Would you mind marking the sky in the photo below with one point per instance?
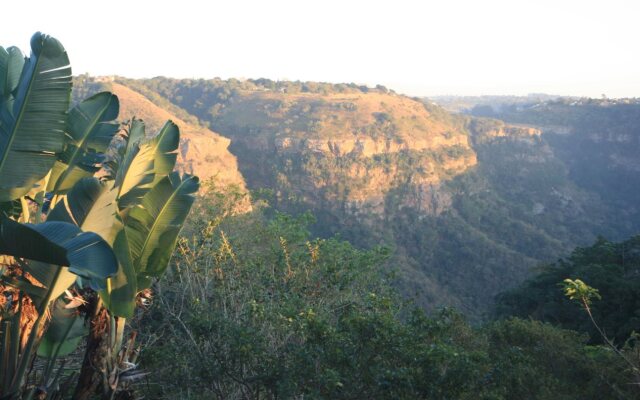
(420, 48)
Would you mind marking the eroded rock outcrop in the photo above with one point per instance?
(360, 154)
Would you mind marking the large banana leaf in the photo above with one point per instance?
(145, 245)
(165, 144)
(32, 117)
(91, 206)
(135, 175)
(11, 64)
(120, 295)
(146, 162)
(85, 253)
(56, 278)
(135, 133)
(152, 228)
(90, 129)
(64, 332)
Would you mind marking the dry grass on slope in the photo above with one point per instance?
(202, 151)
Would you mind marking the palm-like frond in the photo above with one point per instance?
(165, 144)
(91, 205)
(134, 176)
(32, 115)
(11, 64)
(146, 161)
(152, 227)
(60, 244)
(149, 237)
(90, 129)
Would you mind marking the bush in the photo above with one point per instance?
(254, 308)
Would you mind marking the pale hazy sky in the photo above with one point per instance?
(416, 47)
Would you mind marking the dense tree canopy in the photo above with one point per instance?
(612, 268)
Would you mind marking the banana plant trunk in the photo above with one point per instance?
(95, 356)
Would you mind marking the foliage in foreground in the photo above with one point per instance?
(89, 216)
(254, 309)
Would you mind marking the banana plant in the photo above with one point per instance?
(34, 101)
(149, 204)
(103, 223)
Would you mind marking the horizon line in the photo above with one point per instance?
(372, 86)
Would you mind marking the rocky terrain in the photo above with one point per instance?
(468, 205)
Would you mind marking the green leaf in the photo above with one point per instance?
(91, 205)
(32, 127)
(145, 245)
(136, 133)
(166, 145)
(120, 295)
(60, 243)
(11, 64)
(146, 162)
(46, 274)
(64, 333)
(90, 129)
(152, 227)
(11, 209)
(135, 175)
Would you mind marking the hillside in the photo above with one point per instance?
(468, 205)
(598, 140)
(202, 152)
(349, 155)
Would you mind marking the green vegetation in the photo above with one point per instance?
(584, 294)
(610, 267)
(90, 216)
(292, 109)
(487, 105)
(198, 94)
(254, 308)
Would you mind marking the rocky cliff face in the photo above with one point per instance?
(362, 146)
(487, 129)
(358, 155)
(598, 141)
